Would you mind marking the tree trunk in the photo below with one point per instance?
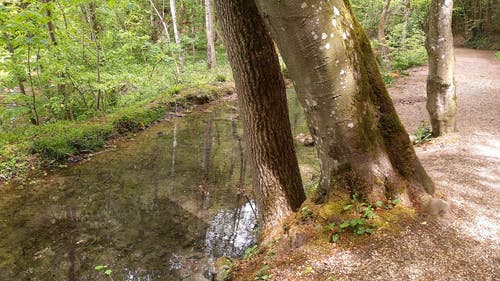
(11, 50)
(406, 19)
(384, 52)
(441, 96)
(262, 98)
(90, 14)
(177, 36)
(209, 19)
(362, 146)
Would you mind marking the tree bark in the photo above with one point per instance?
(381, 35)
(362, 146)
(209, 22)
(262, 98)
(441, 96)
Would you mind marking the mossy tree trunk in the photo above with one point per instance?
(441, 96)
(262, 98)
(361, 143)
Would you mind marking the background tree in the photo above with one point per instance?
(211, 58)
(362, 146)
(263, 104)
(441, 96)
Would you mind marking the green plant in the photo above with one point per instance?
(228, 265)
(250, 252)
(263, 274)
(360, 214)
(422, 135)
(105, 270)
(497, 55)
(306, 213)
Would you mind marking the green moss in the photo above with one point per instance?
(59, 140)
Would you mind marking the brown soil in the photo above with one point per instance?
(462, 245)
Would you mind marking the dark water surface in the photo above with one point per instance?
(163, 206)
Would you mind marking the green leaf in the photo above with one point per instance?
(108, 272)
(361, 230)
(335, 237)
(345, 224)
(396, 201)
(331, 226)
(379, 203)
(100, 267)
(347, 207)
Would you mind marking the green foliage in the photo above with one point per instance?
(423, 134)
(359, 218)
(228, 265)
(250, 252)
(405, 37)
(497, 55)
(263, 274)
(105, 270)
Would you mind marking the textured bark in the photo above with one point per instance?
(361, 143)
(441, 96)
(209, 22)
(262, 98)
(381, 34)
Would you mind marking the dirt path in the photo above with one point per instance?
(463, 245)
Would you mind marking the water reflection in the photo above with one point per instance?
(161, 207)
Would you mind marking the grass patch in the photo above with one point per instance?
(57, 141)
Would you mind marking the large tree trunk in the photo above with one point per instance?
(209, 22)
(262, 98)
(441, 96)
(362, 146)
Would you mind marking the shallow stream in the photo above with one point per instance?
(162, 206)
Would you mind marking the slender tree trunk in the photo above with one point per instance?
(11, 50)
(406, 18)
(36, 120)
(162, 19)
(441, 96)
(61, 88)
(384, 52)
(209, 23)
(177, 36)
(153, 21)
(362, 146)
(262, 97)
(91, 19)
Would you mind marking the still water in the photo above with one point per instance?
(163, 206)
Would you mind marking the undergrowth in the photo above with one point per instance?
(59, 140)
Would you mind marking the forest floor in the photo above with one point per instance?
(462, 245)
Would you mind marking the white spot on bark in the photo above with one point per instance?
(327, 46)
(315, 36)
(350, 125)
(344, 36)
(331, 35)
(324, 36)
(334, 22)
(342, 72)
(304, 5)
(336, 11)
